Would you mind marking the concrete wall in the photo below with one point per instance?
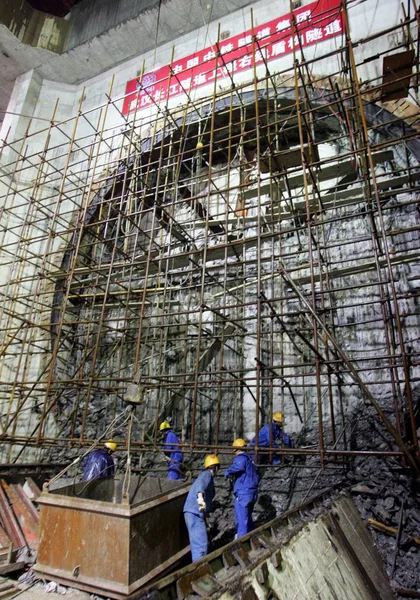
(32, 27)
(365, 20)
(88, 20)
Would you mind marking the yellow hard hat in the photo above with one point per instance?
(278, 417)
(164, 425)
(239, 443)
(111, 445)
(211, 460)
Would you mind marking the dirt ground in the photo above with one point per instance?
(39, 593)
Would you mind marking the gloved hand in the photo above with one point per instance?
(276, 461)
(201, 503)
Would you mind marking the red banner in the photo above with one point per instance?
(314, 23)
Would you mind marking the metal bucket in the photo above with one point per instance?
(93, 539)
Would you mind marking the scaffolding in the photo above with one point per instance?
(255, 249)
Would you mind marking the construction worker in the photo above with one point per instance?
(245, 487)
(99, 463)
(272, 436)
(197, 506)
(172, 451)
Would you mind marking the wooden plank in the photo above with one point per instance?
(24, 515)
(5, 541)
(184, 583)
(12, 567)
(281, 161)
(396, 73)
(6, 548)
(26, 502)
(336, 169)
(7, 589)
(349, 196)
(10, 522)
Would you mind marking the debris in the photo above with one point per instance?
(31, 489)
(407, 593)
(7, 589)
(398, 539)
(28, 578)
(391, 530)
(56, 588)
(379, 511)
(25, 513)
(389, 503)
(363, 489)
(6, 548)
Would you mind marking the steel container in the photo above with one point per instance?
(94, 539)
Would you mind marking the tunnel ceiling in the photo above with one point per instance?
(58, 8)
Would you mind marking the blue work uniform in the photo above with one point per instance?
(245, 491)
(98, 465)
(194, 519)
(174, 454)
(278, 437)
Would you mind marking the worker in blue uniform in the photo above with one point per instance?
(99, 463)
(245, 487)
(172, 451)
(198, 505)
(272, 436)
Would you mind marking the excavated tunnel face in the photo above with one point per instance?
(146, 193)
(216, 263)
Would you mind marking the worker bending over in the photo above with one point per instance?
(272, 432)
(99, 463)
(172, 451)
(198, 505)
(245, 487)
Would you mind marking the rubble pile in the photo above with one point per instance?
(384, 490)
(386, 493)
